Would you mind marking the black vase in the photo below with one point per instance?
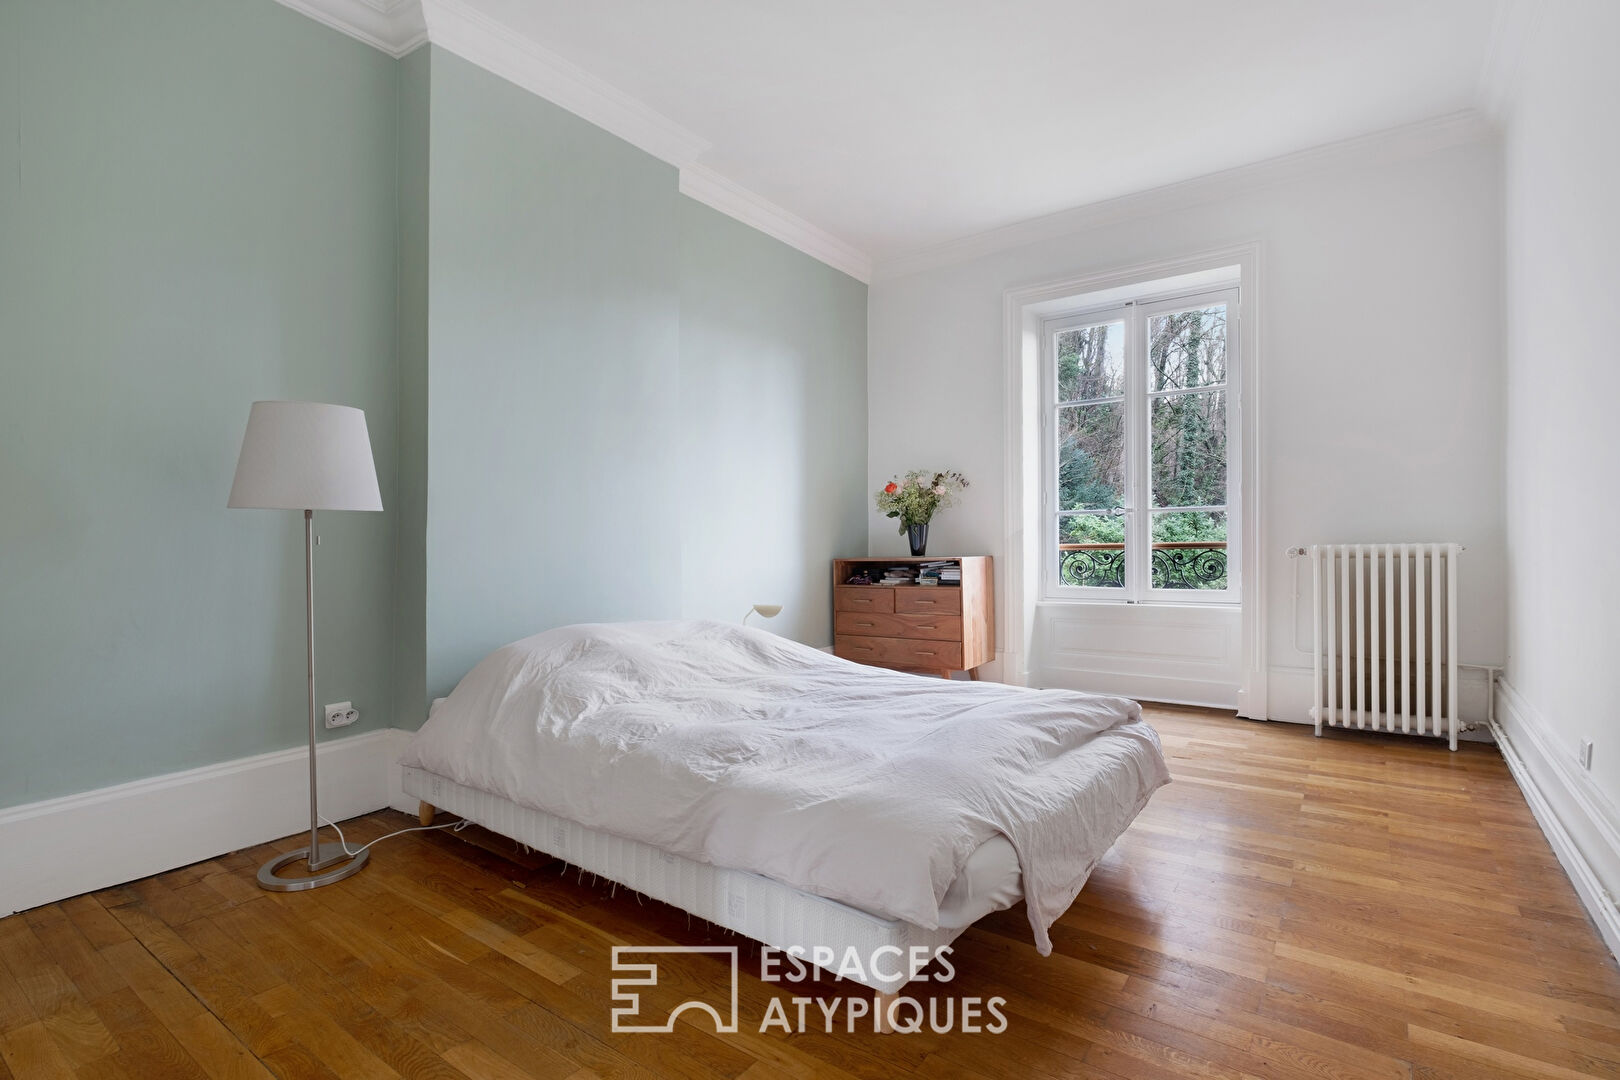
(918, 535)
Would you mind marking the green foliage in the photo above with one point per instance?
(1187, 353)
(1088, 363)
(1167, 528)
(1188, 528)
(1186, 350)
(915, 499)
(1092, 529)
(1090, 437)
(1080, 486)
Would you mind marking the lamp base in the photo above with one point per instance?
(326, 856)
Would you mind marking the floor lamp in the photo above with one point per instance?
(302, 455)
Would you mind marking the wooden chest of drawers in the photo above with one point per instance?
(933, 628)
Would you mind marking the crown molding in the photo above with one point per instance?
(710, 188)
(503, 51)
(1392, 144)
(398, 26)
(393, 26)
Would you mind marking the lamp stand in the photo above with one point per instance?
(320, 856)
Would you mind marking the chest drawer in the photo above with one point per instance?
(926, 627)
(900, 652)
(942, 600)
(930, 628)
(868, 598)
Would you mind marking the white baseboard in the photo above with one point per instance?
(62, 847)
(1168, 689)
(78, 843)
(1582, 825)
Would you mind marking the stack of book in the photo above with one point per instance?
(943, 572)
(899, 575)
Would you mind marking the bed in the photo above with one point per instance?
(804, 801)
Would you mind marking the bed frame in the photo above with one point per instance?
(756, 907)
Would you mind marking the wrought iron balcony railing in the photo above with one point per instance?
(1185, 564)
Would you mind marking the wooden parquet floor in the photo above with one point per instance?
(1351, 907)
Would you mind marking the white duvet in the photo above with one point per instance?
(742, 749)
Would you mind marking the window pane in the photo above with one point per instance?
(1091, 456)
(1189, 551)
(1189, 449)
(1091, 551)
(1187, 348)
(1089, 364)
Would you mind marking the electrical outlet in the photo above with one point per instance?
(1586, 754)
(341, 715)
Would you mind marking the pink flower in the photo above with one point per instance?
(939, 489)
(890, 488)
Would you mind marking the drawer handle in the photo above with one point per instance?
(863, 648)
(930, 603)
(863, 624)
(928, 628)
(926, 652)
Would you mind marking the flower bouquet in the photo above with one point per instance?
(915, 499)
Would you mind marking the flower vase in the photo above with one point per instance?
(918, 535)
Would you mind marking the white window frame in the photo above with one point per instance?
(1138, 509)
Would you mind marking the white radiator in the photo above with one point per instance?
(1386, 637)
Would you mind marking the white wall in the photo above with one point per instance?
(1561, 182)
(1380, 373)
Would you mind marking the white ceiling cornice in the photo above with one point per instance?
(1392, 144)
(709, 187)
(394, 26)
(497, 48)
(398, 26)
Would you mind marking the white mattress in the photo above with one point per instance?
(738, 748)
(757, 907)
(989, 881)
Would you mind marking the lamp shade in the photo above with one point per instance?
(303, 455)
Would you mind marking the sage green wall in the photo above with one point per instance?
(552, 359)
(589, 397)
(773, 425)
(196, 210)
(410, 504)
(639, 408)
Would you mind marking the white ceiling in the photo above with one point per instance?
(896, 125)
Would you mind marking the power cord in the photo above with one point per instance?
(454, 826)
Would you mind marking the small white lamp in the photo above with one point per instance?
(302, 455)
(765, 611)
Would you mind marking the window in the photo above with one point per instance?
(1140, 460)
